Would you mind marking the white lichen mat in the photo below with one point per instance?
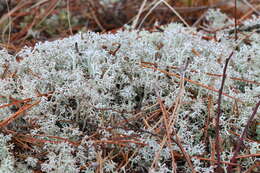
(86, 84)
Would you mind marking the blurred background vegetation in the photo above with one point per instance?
(25, 22)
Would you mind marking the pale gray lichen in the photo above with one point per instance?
(95, 78)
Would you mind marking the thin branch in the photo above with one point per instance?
(240, 140)
(219, 111)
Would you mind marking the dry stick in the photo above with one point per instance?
(220, 94)
(219, 111)
(240, 140)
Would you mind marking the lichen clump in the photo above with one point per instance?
(86, 84)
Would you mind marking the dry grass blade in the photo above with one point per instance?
(51, 7)
(139, 14)
(251, 6)
(149, 12)
(175, 12)
(19, 6)
(68, 16)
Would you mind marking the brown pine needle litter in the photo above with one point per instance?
(142, 86)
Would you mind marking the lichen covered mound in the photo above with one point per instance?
(87, 83)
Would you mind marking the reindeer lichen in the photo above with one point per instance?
(90, 82)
